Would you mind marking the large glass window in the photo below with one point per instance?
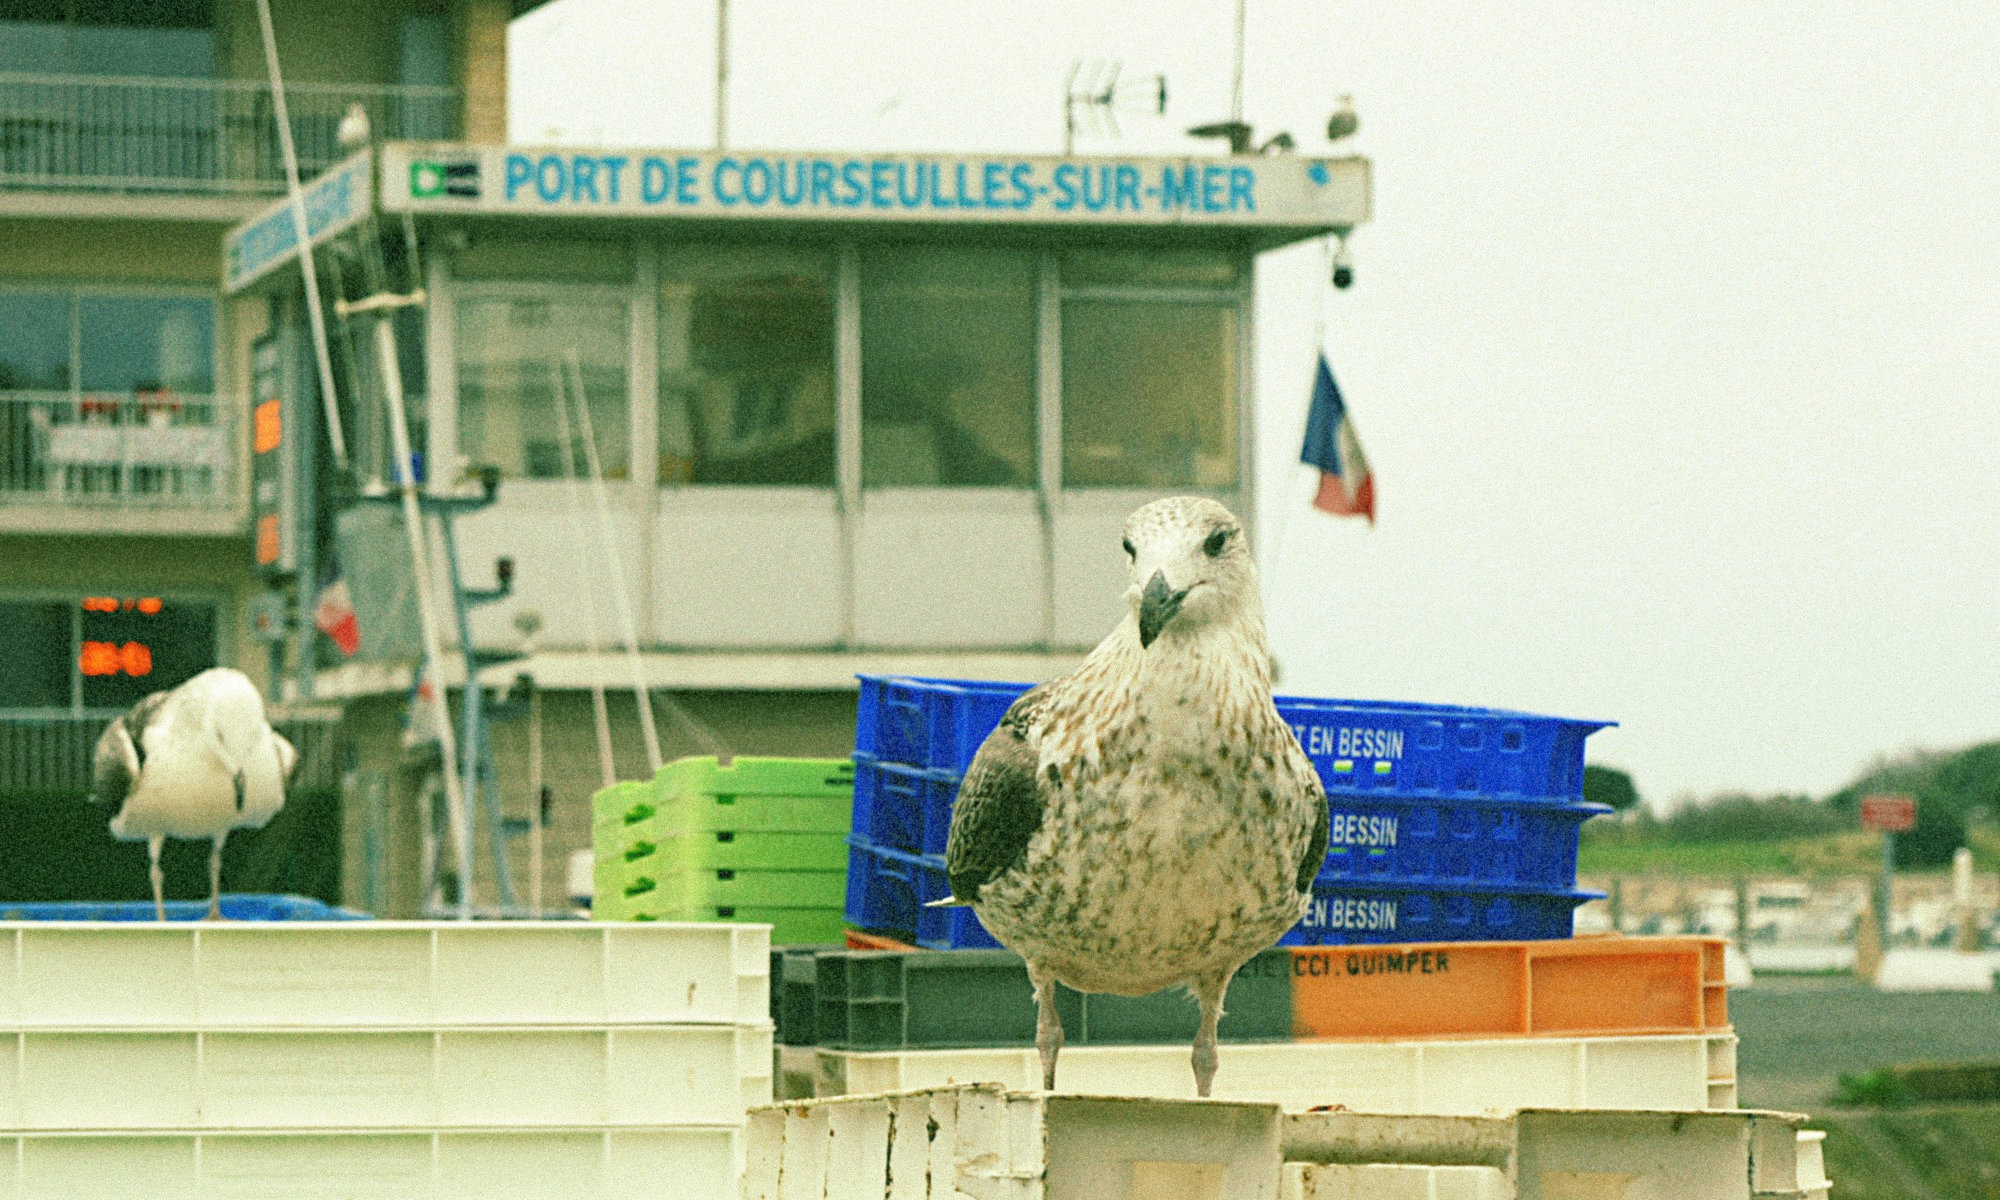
(158, 38)
(34, 341)
(947, 368)
(144, 344)
(746, 366)
(1149, 393)
(515, 348)
(37, 663)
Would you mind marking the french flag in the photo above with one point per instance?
(1346, 489)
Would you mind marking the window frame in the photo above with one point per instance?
(72, 598)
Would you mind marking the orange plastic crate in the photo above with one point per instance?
(1589, 985)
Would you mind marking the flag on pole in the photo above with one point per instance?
(1346, 489)
(334, 616)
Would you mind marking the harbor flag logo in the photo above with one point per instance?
(433, 177)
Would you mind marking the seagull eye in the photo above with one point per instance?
(1216, 541)
(1130, 552)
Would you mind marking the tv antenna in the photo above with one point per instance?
(1092, 98)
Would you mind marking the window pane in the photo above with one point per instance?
(746, 366)
(1132, 267)
(143, 648)
(145, 343)
(34, 342)
(509, 350)
(1149, 394)
(947, 368)
(35, 655)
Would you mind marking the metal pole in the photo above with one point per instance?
(620, 594)
(300, 228)
(1887, 886)
(721, 73)
(427, 613)
(482, 788)
(1236, 82)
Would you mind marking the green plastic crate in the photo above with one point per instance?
(683, 889)
(823, 778)
(726, 849)
(789, 925)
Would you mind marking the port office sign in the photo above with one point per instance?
(1278, 190)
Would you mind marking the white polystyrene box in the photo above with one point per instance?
(1392, 1181)
(1440, 1077)
(669, 1075)
(379, 1164)
(381, 973)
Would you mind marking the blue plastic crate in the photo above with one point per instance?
(1348, 912)
(1406, 749)
(903, 807)
(888, 888)
(920, 722)
(1463, 840)
(246, 906)
(1396, 748)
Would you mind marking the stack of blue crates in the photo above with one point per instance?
(1447, 823)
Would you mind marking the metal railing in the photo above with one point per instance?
(150, 450)
(47, 753)
(204, 135)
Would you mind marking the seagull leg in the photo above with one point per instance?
(1208, 990)
(215, 877)
(154, 845)
(1048, 1025)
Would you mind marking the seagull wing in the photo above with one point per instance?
(999, 805)
(119, 758)
(1315, 856)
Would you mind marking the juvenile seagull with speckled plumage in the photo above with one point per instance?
(1147, 820)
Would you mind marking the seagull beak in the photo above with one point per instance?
(1157, 605)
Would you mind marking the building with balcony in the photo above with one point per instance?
(133, 135)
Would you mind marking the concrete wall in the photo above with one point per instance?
(104, 251)
(789, 724)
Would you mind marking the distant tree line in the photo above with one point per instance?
(1954, 789)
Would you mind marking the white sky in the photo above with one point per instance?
(1675, 342)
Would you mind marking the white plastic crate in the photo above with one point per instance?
(547, 1164)
(1686, 1071)
(380, 974)
(342, 1079)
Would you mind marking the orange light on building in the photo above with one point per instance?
(98, 658)
(270, 426)
(110, 658)
(267, 539)
(150, 605)
(136, 658)
(100, 604)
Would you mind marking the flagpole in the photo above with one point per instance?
(1298, 468)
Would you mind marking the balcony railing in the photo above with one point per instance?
(200, 135)
(150, 450)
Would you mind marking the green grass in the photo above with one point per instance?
(1835, 854)
(1913, 1154)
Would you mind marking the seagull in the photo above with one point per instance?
(1343, 122)
(1148, 820)
(193, 762)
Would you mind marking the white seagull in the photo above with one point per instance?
(1148, 820)
(194, 762)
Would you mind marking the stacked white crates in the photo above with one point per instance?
(373, 1058)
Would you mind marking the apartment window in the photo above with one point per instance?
(746, 389)
(103, 651)
(157, 39)
(114, 345)
(947, 367)
(516, 347)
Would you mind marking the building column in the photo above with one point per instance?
(483, 69)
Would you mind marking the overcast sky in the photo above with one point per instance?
(1675, 342)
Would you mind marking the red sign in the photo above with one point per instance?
(1889, 813)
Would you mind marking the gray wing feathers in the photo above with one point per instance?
(1315, 856)
(115, 765)
(999, 805)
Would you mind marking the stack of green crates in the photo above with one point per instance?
(753, 839)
